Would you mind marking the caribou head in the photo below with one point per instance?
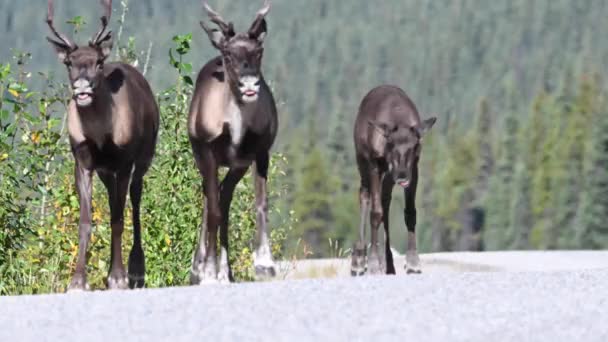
(84, 64)
(241, 52)
(400, 145)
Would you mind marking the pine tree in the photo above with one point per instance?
(498, 234)
(592, 216)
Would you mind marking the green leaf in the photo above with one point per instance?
(186, 67)
(188, 80)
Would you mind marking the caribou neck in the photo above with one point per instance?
(94, 122)
(102, 103)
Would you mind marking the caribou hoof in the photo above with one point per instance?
(358, 265)
(409, 270)
(358, 272)
(223, 276)
(374, 266)
(78, 284)
(205, 274)
(118, 282)
(412, 264)
(264, 265)
(136, 282)
(358, 268)
(265, 272)
(137, 269)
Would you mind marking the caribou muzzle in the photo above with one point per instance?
(249, 86)
(83, 92)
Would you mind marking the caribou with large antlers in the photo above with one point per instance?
(232, 123)
(113, 124)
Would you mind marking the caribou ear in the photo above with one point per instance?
(380, 128)
(426, 125)
(215, 36)
(258, 32)
(61, 49)
(378, 137)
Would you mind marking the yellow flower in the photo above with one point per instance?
(97, 215)
(4, 156)
(14, 92)
(35, 137)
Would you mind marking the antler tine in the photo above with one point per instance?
(107, 5)
(264, 10)
(49, 21)
(217, 19)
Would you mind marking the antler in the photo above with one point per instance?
(49, 20)
(227, 28)
(100, 37)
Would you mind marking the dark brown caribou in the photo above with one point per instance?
(388, 133)
(232, 123)
(113, 124)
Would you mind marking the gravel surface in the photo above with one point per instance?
(480, 306)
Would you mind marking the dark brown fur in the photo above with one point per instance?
(232, 123)
(113, 124)
(387, 135)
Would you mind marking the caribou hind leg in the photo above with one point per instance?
(226, 191)
(387, 189)
(137, 262)
(117, 186)
(84, 189)
(263, 262)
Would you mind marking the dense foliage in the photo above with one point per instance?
(518, 159)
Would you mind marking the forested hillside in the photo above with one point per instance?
(517, 160)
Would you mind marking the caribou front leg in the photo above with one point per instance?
(264, 265)
(204, 263)
(412, 259)
(137, 261)
(373, 264)
(117, 186)
(358, 263)
(84, 189)
(387, 190)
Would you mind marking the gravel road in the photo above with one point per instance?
(518, 306)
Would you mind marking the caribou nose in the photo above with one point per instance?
(403, 182)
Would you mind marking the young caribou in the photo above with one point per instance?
(388, 134)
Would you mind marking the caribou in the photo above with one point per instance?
(232, 123)
(113, 123)
(387, 134)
